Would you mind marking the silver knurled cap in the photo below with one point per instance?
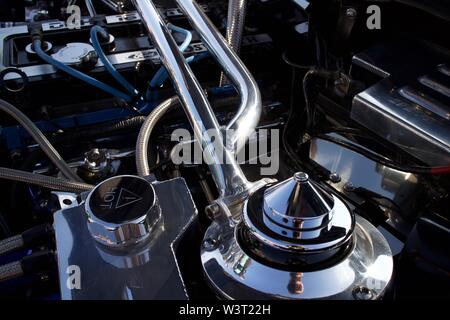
(122, 211)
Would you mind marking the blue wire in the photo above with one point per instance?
(161, 75)
(148, 106)
(95, 30)
(188, 36)
(77, 74)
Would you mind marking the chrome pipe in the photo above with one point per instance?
(90, 7)
(225, 171)
(247, 117)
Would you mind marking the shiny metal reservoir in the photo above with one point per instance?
(145, 270)
(324, 252)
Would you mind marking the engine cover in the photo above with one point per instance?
(409, 106)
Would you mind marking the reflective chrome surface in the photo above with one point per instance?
(76, 54)
(296, 215)
(226, 172)
(297, 202)
(410, 106)
(330, 230)
(247, 117)
(147, 271)
(394, 189)
(134, 227)
(296, 241)
(98, 161)
(235, 275)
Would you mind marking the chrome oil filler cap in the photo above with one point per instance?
(77, 54)
(122, 211)
(296, 240)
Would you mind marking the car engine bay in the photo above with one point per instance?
(224, 149)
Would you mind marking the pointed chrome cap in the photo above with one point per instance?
(297, 215)
(298, 203)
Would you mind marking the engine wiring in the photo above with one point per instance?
(95, 31)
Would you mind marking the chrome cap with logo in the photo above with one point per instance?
(296, 240)
(122, 211)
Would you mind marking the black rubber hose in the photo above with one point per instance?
(39, 137)
(44, 181)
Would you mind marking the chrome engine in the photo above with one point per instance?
(300, 150)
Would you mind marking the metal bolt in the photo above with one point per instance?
(351, 12)
(349, 187)
(363, 293)
(209, 244)
(16, 155)
(43, 203)
(301, 177)
(212, 211)
(335, 177)
(44, 277)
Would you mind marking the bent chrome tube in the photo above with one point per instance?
(247, 117)
(225, 171)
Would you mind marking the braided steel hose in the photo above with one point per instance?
(152, 119)
(44, 181)
(237, 10)
(40, 138)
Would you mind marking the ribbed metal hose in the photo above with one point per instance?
(237, 10)
(39, 137)
(99, 130)
(152, 119)
(44, 181)
(11, 244)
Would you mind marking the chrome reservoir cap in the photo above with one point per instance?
(296, 216)
(298, 203)
(296, 240)
(122, 211)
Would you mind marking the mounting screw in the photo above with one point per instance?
(351, 12)
(363, 293)
(209, 244)
(44, 277)
(335, 177)
(212, 211)
(349, 187)
(43, 203)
